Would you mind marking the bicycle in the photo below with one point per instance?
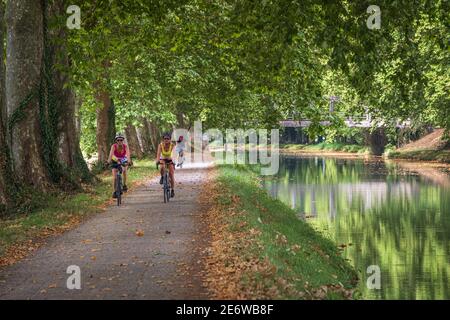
(166, 183)
(180, 156)
(118, 185)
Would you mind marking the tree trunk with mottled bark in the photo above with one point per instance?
(25, 47)
(4, 170)
(4, 151)
(154, 134)
(63, 94)
(3, 113)
(181, 120)
(106, 128)
(69, 151)
(144, 138)
(133, 142)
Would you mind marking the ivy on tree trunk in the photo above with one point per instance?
(24, 65)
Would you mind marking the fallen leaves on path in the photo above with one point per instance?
(22, 249)
(230, 274)
(36, 238)
(139, 233)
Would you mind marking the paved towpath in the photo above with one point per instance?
(162, 262)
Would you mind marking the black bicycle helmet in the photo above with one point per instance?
(167, 135)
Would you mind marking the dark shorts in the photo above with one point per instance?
(116, 165)
(167, 161)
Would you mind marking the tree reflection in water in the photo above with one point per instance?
(393, 218)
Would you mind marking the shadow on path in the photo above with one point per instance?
(116, 262)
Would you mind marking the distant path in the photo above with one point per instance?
(115, 262)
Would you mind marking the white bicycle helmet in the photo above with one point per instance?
(119, 135)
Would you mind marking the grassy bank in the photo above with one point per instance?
(261, 250)
(421, 155)
(23, 233)
(326, 147)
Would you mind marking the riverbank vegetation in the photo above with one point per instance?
(325, 147)
(418, 144)
(433, 146)
(421, 155)
(262, 250)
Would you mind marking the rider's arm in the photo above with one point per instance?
(111, 152)
(158, 153)
(128, 154)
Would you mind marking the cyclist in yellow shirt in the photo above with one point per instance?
(163, 156)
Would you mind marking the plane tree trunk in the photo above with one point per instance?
(106, 128)
(133, 142)
(24, 65)
(145, 138)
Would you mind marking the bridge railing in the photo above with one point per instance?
(365, 121)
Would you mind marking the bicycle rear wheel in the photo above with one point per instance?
(165, 188)
(119, 189)
(164, 194)
(168, 193)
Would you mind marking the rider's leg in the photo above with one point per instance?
(179, 157)
(114, 173)
(161, 170)
(172, 179)
(124, 173)
(172, 176)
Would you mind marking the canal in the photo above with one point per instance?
(379, 214)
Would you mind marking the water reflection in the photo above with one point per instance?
(392, 217)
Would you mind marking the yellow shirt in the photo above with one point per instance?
(165, 154)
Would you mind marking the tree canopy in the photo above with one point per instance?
(246, 63)
(148, 66)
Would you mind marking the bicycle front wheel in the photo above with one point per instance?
(166, 199)
(164, 188)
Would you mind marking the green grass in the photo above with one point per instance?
(326, 146)
(316, 264)
(58, 209)
(421, 155)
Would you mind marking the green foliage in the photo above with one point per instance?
(88, 118)
(400, 70)
(249, 64)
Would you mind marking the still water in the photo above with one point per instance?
(390, 216)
